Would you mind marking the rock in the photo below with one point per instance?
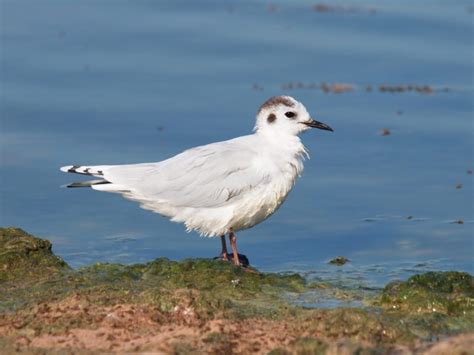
(339, 260)
(214, 286)
(244, 261)
(450, 293)
(210, 306)
(23, 256)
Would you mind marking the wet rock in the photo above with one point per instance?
(244, 261)
(210, 306)
(449, 293)
(339, 260)
(23, 256)
(209, 286)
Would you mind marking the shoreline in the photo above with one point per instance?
(210, 306)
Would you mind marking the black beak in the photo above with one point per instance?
(316, 124)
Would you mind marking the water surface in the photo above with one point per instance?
(102, 82)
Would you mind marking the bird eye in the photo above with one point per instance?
(290, 114)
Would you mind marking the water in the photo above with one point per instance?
(96, 82)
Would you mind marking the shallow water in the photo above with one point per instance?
(125, 82)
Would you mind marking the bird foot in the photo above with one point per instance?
(243, 260)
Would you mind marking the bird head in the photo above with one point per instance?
(285, 115)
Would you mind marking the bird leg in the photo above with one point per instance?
(233, 244)
(224, 248)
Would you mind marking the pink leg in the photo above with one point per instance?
(224, 248)
(233, 244)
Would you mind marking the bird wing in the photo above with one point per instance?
(201, 177)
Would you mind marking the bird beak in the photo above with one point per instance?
(316, 124)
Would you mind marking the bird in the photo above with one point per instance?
(220, 188)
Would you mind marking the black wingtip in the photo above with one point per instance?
(86, 183)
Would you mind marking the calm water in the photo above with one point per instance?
(109, 82)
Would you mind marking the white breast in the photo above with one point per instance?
(283, 164)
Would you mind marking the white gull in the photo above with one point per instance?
(221, 187)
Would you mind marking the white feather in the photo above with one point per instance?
(232, 184)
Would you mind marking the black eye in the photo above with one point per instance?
(290, 114)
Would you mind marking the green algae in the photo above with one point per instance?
(209, 286)
(33, 278)
(23, 256)
(434, 303)
(339, 261)
(450, 293)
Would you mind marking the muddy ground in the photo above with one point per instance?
(209, 306)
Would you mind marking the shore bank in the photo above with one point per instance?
(210, 306)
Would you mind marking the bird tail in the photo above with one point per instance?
(96, 171)
(89, 183)
(84, 170)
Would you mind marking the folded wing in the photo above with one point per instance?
(203, 177)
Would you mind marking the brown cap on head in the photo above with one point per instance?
(276, 100)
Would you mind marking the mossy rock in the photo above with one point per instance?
(23, 256)
(32, 277)
(339, 261)
(211, 287)
(450, 293)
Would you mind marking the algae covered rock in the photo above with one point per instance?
(450, 293)
(339, 261)
(23, 256)
(219, 307)
(206, 286)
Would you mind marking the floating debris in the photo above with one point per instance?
(385, 132)
(399, 112)
(322, 8)
(424, 89)
(469, 171)
(458, 221)
(458, 186)
(348, 87)
(339, 260)
(418, 219)
(336, 88)
(370, 219)
(272, 8)
(257, 87)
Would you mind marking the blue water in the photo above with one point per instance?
(110, 82)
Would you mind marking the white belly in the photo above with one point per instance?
(259, 205)
(245, 212)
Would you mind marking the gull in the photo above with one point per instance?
(219, 188)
